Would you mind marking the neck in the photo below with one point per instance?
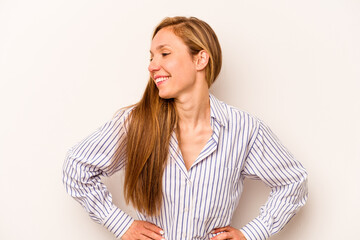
(193, 109)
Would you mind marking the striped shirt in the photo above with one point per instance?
(197, 200)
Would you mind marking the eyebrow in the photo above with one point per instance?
(161, 46)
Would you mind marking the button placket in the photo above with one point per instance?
(189, 194)
(190, 210)
(189, 191)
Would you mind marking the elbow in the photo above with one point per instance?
(66, 170)
(303, 188)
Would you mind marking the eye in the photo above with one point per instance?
(165, 54)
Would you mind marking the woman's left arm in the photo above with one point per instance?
(271, 162)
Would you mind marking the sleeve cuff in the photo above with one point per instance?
(118, 222)
(255, 230)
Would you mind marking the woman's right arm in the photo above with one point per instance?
(90, 159)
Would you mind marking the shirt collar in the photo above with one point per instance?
(218, 111)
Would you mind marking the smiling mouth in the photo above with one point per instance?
(161, 79)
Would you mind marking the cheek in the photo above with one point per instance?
(172, 67)
(182, 64)
(183, 68)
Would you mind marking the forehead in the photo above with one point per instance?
(166, 38)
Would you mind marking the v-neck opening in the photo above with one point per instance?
(208, 148)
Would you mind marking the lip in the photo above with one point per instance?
(160, 79)
(160, 76)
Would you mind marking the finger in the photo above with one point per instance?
(143, 237)
(222, 229)
(153, 228)
(223, 235)
(152, 235)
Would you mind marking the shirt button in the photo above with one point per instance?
(186, 210)
(184, 235)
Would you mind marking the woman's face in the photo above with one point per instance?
(171, 67)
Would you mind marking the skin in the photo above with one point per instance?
(186, 83)
(228, 233)
(143, 230)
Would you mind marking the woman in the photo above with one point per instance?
(185, 153)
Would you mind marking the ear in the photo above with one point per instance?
(201, 60)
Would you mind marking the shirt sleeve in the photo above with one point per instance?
(269, 161)
(90, 159)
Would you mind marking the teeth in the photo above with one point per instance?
(160, 79)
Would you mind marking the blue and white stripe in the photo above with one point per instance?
(197, 200)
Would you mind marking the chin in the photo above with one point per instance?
(165, 95)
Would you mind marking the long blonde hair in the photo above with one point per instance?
(153, 119)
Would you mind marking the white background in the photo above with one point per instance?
(67, 66)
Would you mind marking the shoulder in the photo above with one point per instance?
(116, 123)
(114, 127)
(122, 114)
(237, 116)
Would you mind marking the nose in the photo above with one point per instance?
(154, 66)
